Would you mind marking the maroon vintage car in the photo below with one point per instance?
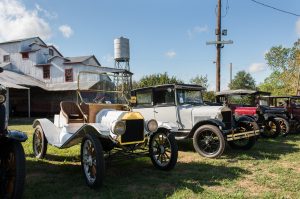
(291, 105)
(246, 103)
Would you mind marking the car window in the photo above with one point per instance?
(295, 102)
(192, 97)
(164, 97)
(144, 98)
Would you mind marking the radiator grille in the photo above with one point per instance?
(227, 119)
(134, 131)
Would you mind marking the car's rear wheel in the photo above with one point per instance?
(245, 143)
(209, 141)
(272, 128)
(92, 161)
(284, 125)
(39, 143)
(163, 150)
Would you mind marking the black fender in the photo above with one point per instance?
(16, 136)
(214, 122)
(247, 118)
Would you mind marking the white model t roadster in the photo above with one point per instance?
(102, 122)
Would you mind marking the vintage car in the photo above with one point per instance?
(12, 156)
(105, 126)
(289, 106)
(210, 127)
(246, 103)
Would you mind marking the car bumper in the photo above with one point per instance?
(231, 135)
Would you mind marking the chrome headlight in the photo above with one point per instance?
(2, 99)
(119, 127)
(152, 125)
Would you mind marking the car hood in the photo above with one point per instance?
(206, 112)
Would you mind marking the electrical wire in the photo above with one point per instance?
(226, 11)
(280, 10)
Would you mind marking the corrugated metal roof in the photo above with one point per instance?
(20, 81)
(240, 92)
(78, 59)
(9, 77)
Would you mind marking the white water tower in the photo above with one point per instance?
(121, 53)
(122, 56)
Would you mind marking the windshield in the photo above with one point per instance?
(192, 97)
(102, 88)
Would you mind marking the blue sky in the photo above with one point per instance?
(165, 36)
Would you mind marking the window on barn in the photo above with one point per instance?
(69, 75)
(6, 58)
(46, 72)
(51, 52)
(25, 55)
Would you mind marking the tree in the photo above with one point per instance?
(156, 79)
(242, 80)
(200, 80)
(285, 65)
(203, 81)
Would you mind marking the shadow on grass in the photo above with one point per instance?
(271, 149)
(139, 179)
(263, 148)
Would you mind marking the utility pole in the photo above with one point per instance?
(219, 46)
(230, 68)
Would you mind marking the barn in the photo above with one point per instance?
(37, 76)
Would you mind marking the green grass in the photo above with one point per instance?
(270, 170)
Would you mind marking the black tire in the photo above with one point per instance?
(163, 150)
(272, 128)
(92, 161)
(209, 141)
(12, 170)
(246, 143)
(284, 125)
(39, 143)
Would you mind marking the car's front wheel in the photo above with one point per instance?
(272, 128)
(92, 161)
(284, 125)
(209, 141)
(39, 143)
(245, 143)
(12, 167)
(163, 150)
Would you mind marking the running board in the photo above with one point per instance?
(238, 136)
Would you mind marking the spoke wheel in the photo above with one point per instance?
(39, 143)
(163, 150)
(12, 166)
(246, 143)
(208, 141)
(92, 161)
(284, 125)
(272, 129)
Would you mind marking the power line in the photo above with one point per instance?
(280, 10)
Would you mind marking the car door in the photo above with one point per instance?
(164, 105)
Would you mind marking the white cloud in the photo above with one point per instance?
(298, 27)
(50, 15)
(197, 30)
(16, 22)
(257, 67)
(170, 54)
(66, 31)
